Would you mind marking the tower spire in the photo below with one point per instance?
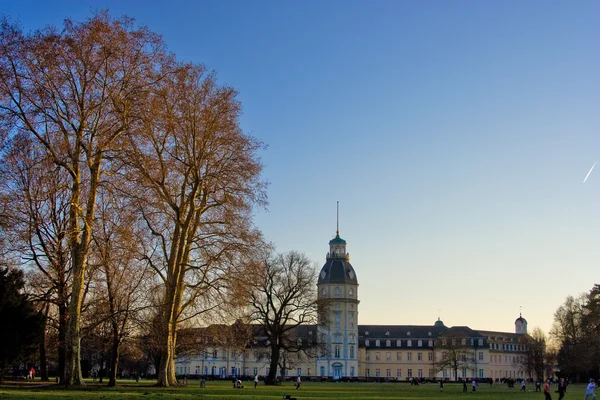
(337, 230)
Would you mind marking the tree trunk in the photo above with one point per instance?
(43, 364)
(166, 372)
(73, 376)
(62, 334)
(112, 379)
(272, 378)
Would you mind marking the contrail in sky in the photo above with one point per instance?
(588, 174)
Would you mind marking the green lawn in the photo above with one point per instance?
(314, 391)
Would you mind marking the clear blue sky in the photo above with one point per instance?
(455, 134)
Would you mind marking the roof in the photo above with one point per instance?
(337, 270)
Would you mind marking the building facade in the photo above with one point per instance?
(351, 351)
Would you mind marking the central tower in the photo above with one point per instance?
(339, 331)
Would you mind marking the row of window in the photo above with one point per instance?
(508, 347)
(409, 356)
(388, 343)
(409, 342)
(337, 292)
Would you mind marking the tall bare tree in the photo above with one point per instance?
(37, 207)
(76, 92)
(123, 279)
(196, 178)
(281, 297)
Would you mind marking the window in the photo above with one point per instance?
(377, 343)
(420, 373)
(399, 373)
(463, 342)
(480, 342)
(409, 343)
(351, 338)
(338, 306)
(337, 338)
(351, 351)
(420, 343)
(368, 356)
(453, 342)
(299, 372)
(337, 318)
(481, 373)
(409, 373)
(367, 342)
(399, 343)
(377, 356)
(419, 356)
(337, 352)
(337, 292)
(351, 368)
(398, 356)
(430, 358)
(430, 344)
(388, 343)
(388, 356)
(444, 356)
(409, 356)
(388, 372)
(367, 372)
(408, 333)
(323, 371)
(214, 355)
(481, 356)
(444, 342)
(255, 371)
(377, 372)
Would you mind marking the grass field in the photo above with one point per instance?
(314, 391)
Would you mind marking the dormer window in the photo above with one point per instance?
(366, 333)
(367, 342)
(387, 334)
(408, 333)
(428, 333)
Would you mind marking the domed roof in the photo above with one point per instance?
(439, 322)
(337, 270)
(521, 319)
(337, 239)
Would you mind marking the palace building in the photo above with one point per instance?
(351, 351)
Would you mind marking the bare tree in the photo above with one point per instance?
(534, 358)
(454, 355)
(123, 279)
(76, 92)
(281, 297)
(196, 178)
(37, 209)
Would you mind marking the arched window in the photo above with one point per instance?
(480, 342)
(367, 342)
(337, 292)
(409, 343)
(399, 343)
(388, 343)
(377, 343)
(463, 342)
(420, 343)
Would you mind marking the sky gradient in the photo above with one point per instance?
(455, 135)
